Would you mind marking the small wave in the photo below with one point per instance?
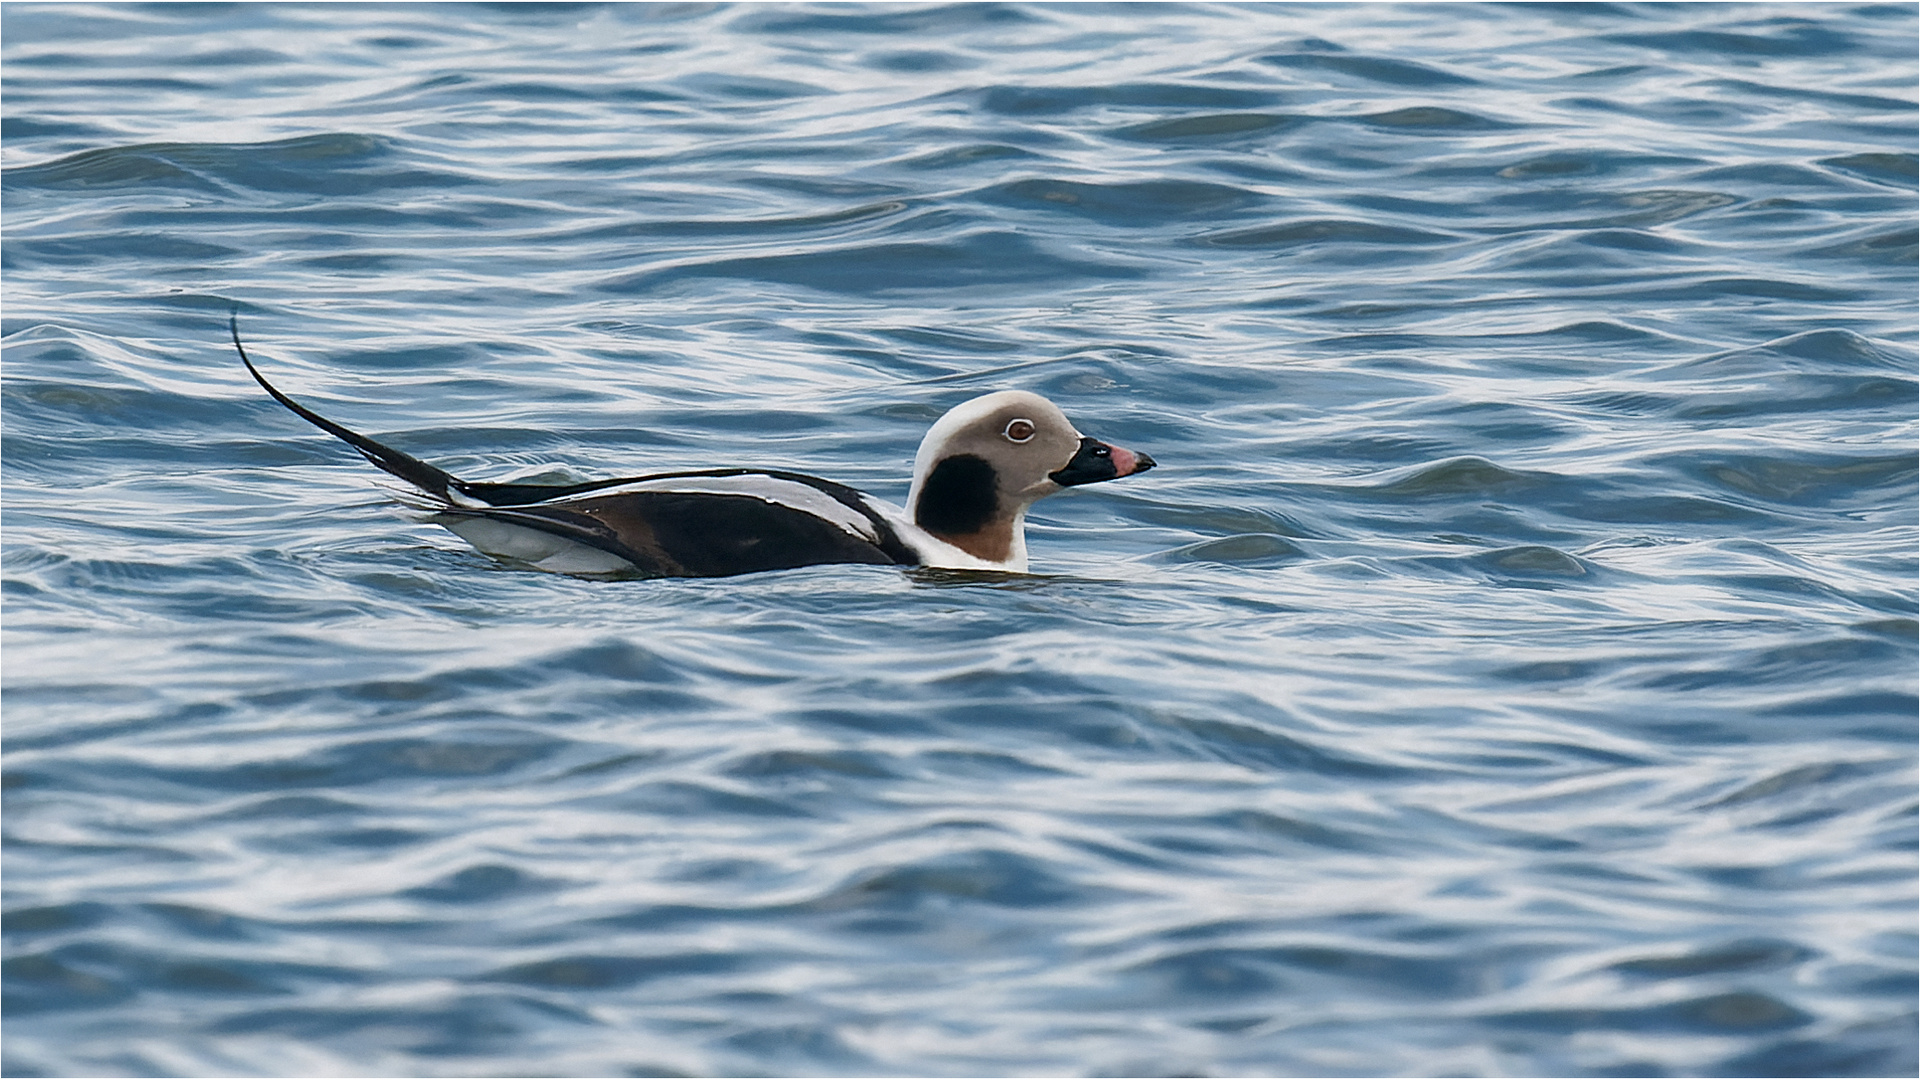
(1811, 480)
(1215, 127)
(1051, 100)
(1267, 827)
(1533, 561)
(1860, 102)
(1142, 205)
(34, 127)
(1257, 745)
(1832, 349)
(1795, 39)
(1735, 1012)
(1900, 247)
(930, 19)
(339, 164)
(749, 88)
(1623, 210)
(1901, 169)
(481, 884)
(920, 61)
(613, 972)
(1473, 476)
(1798, 783)
(989, 876)
(1384, 70)
(1746, 955)
(980, 258)
(1432, 118)
(1247, 548)
(672, 799)
(961, 156)
(1596, 162)
(1336, 231)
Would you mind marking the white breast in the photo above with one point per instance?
(936, 552)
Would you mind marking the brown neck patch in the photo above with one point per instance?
(994, 542)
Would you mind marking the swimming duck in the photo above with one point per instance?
(978, 470)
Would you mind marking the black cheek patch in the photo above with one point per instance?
(959, 497)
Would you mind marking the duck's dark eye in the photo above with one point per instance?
(1019, 430)
(1102, 451)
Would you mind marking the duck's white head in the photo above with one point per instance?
(987, 460)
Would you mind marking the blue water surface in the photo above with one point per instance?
(1510, 669)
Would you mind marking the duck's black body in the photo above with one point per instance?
(706, 534)
(969, 502)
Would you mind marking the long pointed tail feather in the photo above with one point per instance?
(433, 481)
(449, 490)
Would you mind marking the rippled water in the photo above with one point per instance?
(1510, 668)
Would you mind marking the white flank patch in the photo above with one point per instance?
(542, 549)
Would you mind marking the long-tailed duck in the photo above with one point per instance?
(978, 469)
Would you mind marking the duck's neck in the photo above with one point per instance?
(1003, 539)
